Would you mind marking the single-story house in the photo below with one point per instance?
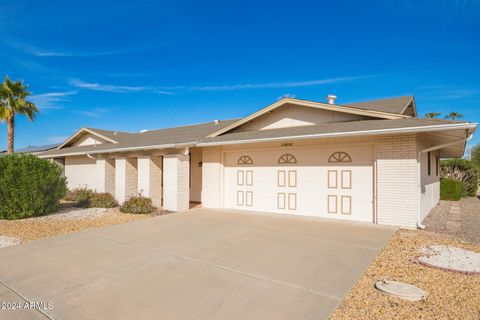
(373, 161)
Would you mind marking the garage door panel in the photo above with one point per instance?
(311, 186)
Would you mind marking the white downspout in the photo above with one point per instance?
(419, 173)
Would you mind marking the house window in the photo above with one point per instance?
(287, 158)
(243, 160)
(437, 164)
(429, 156)
(339, 156)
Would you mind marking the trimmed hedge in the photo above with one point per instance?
(138, 205)
(103, 200)
(451, 189)
(461, 170)
(29, 186)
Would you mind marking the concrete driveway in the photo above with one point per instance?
(202, 264)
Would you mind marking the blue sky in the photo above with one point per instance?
(133, 65)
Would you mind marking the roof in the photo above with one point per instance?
(386, 115)
(393, 105)
(313, 104)
(337, 129)
(161, 138)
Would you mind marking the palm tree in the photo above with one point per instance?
(432, 115)
(13, 96)
(454, 115)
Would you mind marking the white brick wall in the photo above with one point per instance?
(176, 182)
(150, 178)
(211, 181)
(397, 184)
(106, 176)
(396, 178)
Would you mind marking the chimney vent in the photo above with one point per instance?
(331, 98)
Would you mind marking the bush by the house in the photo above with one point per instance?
(102, 200)
(29, 186)
(138, 205)
(451, 189)
(80, 197)
(461, 170)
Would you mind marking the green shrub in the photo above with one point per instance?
(29, 186)
(80, 196)
(461, 170)
(138, 205)
(451, 189)
(102, 200)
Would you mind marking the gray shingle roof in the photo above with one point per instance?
(328, 128)
(196, 134)
(392, 105)
(160, 137)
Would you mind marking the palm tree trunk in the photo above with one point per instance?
(11, 133)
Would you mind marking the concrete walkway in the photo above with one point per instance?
(202, 264)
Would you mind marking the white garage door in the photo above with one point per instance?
(320, 182)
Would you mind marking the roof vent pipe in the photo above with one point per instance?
(331, 98)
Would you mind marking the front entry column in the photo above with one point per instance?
(150, 179)
(176, 182)
(106, 176)
(125, 178)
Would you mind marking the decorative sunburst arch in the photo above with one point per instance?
(287, 158)
(243, 160)
(339, 156)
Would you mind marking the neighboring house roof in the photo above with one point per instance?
(32, 149)
(392, 105)
(36, 149)
(335, 129)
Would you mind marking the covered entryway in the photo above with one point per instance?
(331, 182)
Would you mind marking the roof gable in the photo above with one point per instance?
(103, 135)
(309, 104)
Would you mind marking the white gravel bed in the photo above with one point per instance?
(8, 241)
(76, 213)
(451, 258)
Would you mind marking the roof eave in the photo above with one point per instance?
(469, 126)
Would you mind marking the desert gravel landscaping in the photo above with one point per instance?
(450, 295)
(63, 222)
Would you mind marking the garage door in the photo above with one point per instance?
(323, 182)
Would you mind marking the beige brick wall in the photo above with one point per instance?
(397, 183)
(176, 180)
(211, 177)
(126, 179)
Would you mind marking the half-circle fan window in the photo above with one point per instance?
(287, 158)
(340, 156)
(245, 160)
